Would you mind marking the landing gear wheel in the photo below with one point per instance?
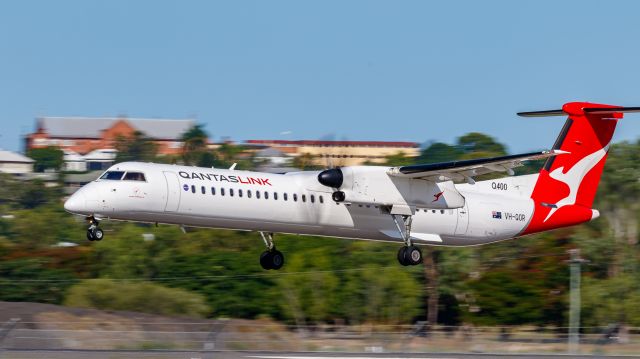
(409, 256)
(98, 234)
(401, 256)
(273, 259)
(413, 255)
(95, 234)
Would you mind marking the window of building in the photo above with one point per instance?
(134, 176)
(112, 175)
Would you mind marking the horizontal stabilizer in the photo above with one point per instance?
(589, 110)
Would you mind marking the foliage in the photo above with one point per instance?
(439, 152)
(399, 159)
(46, 158)
(137, 147)
(30, 280)
(141, 297)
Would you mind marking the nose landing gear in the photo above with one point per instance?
(94, 233)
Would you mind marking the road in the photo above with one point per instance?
(161, 354)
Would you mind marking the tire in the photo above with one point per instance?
(98, 234)
(277, 260)
(402, 256)
(90, 235)
(265, 260)
(413, 255)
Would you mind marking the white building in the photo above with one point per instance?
(15, 163)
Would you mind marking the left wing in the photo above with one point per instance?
(459, 171)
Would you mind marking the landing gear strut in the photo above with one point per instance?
(271, 258)
(409, 255)
(94, 233)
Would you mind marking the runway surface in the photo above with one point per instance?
(117, 354)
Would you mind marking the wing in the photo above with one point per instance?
(459, 171)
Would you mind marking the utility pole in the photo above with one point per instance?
(574, 300)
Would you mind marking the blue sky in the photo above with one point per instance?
(357, 70)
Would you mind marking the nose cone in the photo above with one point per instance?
(76, 203)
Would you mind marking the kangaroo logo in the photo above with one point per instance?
(574, 176)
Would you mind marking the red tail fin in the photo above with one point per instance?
(567, 183)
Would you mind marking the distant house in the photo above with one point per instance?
(272, 156)
(83, 135)
(15, 163)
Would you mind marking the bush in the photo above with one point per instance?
(139, 297)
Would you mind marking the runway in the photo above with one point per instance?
(161, 354)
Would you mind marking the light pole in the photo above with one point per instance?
(574, 300)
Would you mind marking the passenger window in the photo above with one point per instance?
(134, 176)
(321, 199)
(275, 196)
(312, 198)
(304, 198)
(222, 191)
(285, 196)
(213, 191)
(248, 193)
(239, 193)
(231, 192)
(193, 189)
(258, 194)
(112, 175)
(266, 195)
(203, 190)
(295, 197)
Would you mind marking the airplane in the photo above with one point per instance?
(426, 204)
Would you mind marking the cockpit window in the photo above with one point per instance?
(112, 175)
(135, 176)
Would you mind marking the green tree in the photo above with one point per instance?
(135, 296)
(137, 147)
(194, 145)
(477, 145)
(399, 159)
(30, 280)
(439, 152)
(46, 158)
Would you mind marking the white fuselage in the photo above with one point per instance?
(296, 203)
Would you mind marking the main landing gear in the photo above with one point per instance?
(271, 258)
(94, 233)
(409, 255)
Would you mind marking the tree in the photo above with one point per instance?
(140, 297)
(475, 145)
(47, 158)
(138, 147)
(399, 159)
(194, 144)
(439, 152)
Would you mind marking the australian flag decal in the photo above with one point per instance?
(496, 215)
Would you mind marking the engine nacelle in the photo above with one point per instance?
(372, 185)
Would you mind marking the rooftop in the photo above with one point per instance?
(13, 157)
(336, 143)
(91, 127)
